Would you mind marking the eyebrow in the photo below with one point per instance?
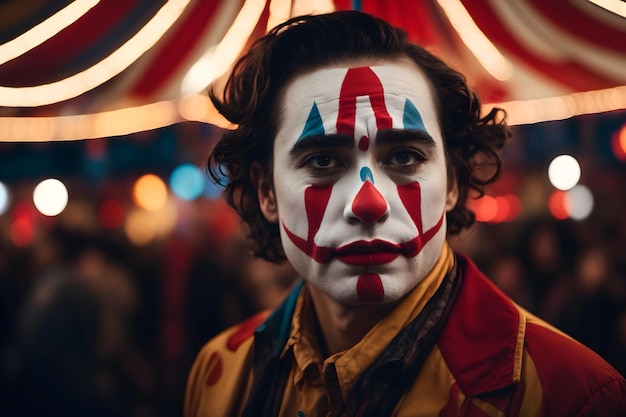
(322, 141)
(387, 136)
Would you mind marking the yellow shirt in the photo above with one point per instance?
(305, 391)
(221, 377)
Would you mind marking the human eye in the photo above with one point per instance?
(322, 162)
(404, 159)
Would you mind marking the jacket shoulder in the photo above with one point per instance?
(566, 369)
(221, 370)
(492, 346)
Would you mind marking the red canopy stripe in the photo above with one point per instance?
(176, 47)
(44, 63)
(569, 18)
(569, 74)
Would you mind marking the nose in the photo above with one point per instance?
(369, 206)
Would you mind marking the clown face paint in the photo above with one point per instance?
(360, 180)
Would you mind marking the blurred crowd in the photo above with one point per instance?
(92, 325)
(571, 274)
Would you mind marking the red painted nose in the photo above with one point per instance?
(369, 205)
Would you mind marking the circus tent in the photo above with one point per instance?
(88, 68)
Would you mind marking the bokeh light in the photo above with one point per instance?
(5, 198)
(558, 205)
(514, 207)
(150, 192)
(490, 209)
(143, 226)
(22, 232)
(618, 144)
(50, 197)
(140, 227)
(213, 190)
(580, 202)
(187, 182)
(485, 208)
(111, 214)
(564, 172)
(22, 229)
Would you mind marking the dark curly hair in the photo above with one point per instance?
(251, 101)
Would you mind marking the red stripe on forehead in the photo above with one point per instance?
(361, 82)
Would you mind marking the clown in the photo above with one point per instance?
(353, 157)
(360, 156)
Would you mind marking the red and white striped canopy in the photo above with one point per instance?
(555, 47)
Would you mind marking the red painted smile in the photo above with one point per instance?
(376, 252)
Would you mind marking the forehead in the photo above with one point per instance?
(319, 97)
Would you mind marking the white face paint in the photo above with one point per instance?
(360, 180)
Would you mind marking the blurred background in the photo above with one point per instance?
(119, 259)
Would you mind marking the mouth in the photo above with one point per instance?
(362, 253)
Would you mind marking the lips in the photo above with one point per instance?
(376, 252)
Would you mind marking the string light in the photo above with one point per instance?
(280, 10)
(521, 112)
(45, 30)
(197, 107)
(216, 61)
(615, 6)
(487, 54)
(103, 71)
(90, 126)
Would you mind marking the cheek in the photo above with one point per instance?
(411, 197)
(315, 201)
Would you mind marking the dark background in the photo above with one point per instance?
(92, 324)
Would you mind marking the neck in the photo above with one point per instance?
(343, 326)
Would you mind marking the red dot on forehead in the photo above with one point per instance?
(364, 143)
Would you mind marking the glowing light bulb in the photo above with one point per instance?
(580, 202)
(564, 172)
(187, 182)
(50, 197)
(558, 204)
(150, 192)
(5, 198)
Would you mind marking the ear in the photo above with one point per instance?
(265, 193)
(453, 193)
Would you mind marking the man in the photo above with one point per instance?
(354, 155)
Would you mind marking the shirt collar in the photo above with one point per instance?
(352, 362)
